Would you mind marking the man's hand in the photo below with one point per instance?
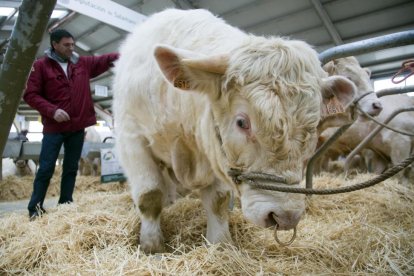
(61, 116)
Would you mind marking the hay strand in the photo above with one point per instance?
(364, 232)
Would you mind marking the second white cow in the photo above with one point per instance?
(350, 68)
(387, 147)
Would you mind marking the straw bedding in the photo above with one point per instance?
(364, 232)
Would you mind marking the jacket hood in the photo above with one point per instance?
(52, 55)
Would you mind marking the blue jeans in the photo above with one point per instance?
(51, 144)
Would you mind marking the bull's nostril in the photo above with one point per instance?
(377, 106)
(271, 220)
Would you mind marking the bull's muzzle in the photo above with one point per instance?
(281, 242)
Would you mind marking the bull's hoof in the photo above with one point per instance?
(152, 247)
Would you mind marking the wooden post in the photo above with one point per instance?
(21, 51)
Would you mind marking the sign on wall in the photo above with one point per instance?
(106, 11)
(111, 170)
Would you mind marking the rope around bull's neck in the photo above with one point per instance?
(251, 177)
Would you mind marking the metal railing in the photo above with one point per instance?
(367, 46)
(356, 48)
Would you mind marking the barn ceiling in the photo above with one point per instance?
(322, 23)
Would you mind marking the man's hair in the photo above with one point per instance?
(58, 34)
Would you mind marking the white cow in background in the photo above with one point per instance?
(90, 166)
(8, 167)
(388, 147)
(350, 68)
(195, 98)
(18, 167)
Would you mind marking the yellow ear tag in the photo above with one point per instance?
(182, 84)
(333, 106)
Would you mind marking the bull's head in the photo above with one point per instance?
(350, 68)
(266, 101)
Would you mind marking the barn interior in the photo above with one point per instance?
(322, 23)
(364, 232)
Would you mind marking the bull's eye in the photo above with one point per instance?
(243, 122)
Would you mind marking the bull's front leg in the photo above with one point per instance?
(147, 191)
(216, 200)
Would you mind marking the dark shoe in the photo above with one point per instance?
(33, 215)
(38, 213)
(65, 202)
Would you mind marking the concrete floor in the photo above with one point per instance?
(20, 206)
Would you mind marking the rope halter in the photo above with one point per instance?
(239, 176)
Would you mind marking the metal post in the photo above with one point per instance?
(320, 151)
(367, 45)
(395, 90)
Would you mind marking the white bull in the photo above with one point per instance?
(195, 97)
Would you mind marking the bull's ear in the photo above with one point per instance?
(187, 70)
(337, 96)
(329, 68)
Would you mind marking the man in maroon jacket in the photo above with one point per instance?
(58, 87)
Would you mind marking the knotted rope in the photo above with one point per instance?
(250, 178)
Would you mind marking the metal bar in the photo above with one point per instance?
(99, 100)
(10, 4)
(371, 135)
(273, 19)
(368, 45)
(116, 39)
(4, 43)
(320, 151)
(104, 114)
(31, 150)
(327, 22)
(395, 90)
(387, 60)
(65, 20)
(384, 73)
(243, 8)
(12, 149)
(6, 19)
(184, 4)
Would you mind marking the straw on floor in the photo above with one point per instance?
(364, 232)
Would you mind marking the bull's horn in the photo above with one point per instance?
(215, 64)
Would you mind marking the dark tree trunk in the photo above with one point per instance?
(20, 54)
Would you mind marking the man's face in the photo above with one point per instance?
(64, 48)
